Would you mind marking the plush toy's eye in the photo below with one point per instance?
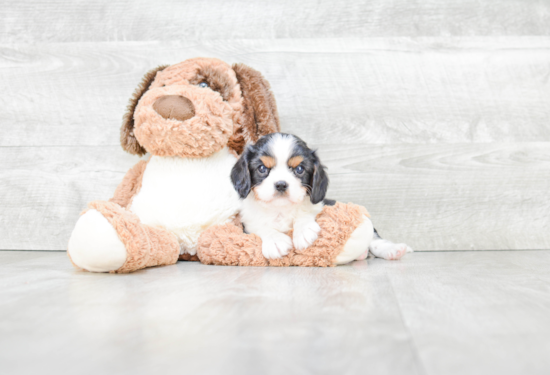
(262, 169)
(203, 85)
(299, 170)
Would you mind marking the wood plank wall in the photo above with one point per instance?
(435, 115)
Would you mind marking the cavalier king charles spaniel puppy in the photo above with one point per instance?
(282, 184)
(274, 178)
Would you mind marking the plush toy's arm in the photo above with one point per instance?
(130, 185)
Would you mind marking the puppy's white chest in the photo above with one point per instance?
(186, 196)
(282, 221)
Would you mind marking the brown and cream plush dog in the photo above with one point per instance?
(194, 118)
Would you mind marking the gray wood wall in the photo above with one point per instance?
(435, 115)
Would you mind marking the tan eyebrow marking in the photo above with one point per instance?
(268, 161)
(295, 161)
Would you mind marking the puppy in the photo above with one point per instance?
(282, 184)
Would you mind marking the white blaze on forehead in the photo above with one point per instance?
(281, 147)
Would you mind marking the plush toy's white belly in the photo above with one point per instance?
(186, 195)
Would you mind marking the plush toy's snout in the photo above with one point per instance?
(174, 107)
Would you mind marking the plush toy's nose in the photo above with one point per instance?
(174, 107)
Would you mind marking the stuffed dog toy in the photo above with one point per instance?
(194, 119)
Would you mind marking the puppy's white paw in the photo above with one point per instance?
(276, 245)
(389, 250)
(305, 235)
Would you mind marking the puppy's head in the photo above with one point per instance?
(281, 170)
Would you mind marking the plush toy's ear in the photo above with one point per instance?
(127, 138)
(259, 108)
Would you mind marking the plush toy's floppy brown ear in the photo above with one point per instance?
(127, 138)
(259, 107)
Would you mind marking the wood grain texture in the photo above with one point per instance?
(194, 319)
(476, 313)
(454, 313)
(433, 197)
(448, 196)
(44, 189)
(82, 21)
(437, 122)
(426, 90)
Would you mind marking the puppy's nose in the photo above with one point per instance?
(281, 186)
(174, 107)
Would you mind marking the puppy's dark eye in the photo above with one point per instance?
(203, 85)
(262, 169)
(299, 170)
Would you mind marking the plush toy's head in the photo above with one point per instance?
(197, 107)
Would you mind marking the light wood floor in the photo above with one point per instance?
(430, 313)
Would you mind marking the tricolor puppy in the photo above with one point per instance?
(283, 185)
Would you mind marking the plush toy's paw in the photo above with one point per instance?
(389, 250)
(305, 235)
(276, 245)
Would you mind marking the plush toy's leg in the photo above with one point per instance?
(108, 238)
(346, 232)
(358, 242)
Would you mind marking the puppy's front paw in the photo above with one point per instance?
(276, 245)
(305, 235)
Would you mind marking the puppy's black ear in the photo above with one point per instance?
(240, 175)
(319, 181)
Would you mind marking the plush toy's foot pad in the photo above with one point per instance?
(94, 244)
(138, 245)
(228, 245)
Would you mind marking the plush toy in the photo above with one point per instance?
(194, 118)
